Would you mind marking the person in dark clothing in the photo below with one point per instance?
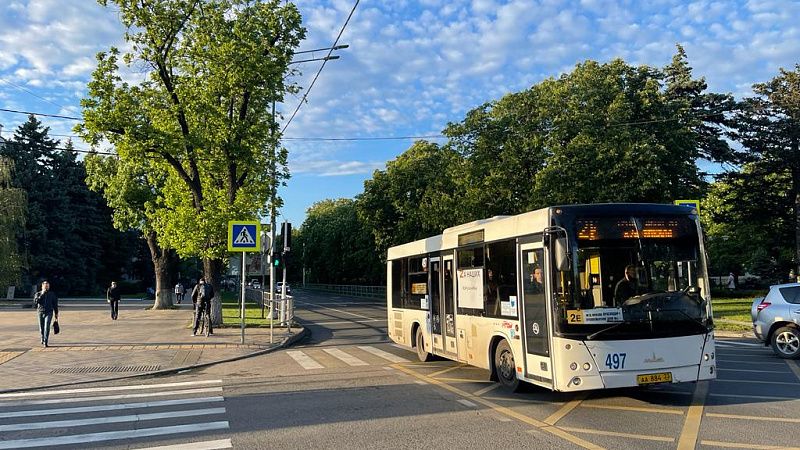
(46, 303)
(201, 297)
(112, 296)
(626, 287)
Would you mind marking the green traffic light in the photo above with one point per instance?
(277, 262)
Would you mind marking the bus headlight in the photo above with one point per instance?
(574, 366)
(576, 381)
(587, 366)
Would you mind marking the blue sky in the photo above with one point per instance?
(412, 66)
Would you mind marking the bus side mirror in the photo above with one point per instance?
(561, 254)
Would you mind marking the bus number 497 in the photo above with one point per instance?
(615, 361)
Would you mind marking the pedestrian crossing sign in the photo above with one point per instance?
(244, 236)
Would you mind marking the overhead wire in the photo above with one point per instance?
(322, 66)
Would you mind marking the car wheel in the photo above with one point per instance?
(786, 342)
(421, 353)
(505, 368)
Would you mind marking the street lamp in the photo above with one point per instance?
(274, 190)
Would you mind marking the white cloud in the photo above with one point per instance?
(331, 168)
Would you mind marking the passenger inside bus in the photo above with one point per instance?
(491, 295)
(626, 287)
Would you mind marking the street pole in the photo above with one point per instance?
(272, 231)
(244, 255)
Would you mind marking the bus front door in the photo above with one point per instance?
(434, 290)
(534, 309)
(449, 307)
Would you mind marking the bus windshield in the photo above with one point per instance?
(632, 278)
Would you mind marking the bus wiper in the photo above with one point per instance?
(597, 333)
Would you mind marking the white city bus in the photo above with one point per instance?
(542, 297)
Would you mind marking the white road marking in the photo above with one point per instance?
(743, 344)
(304, 360)
(421, 382)
(334, 309)
(348, 359)
(467, 403)
(107, 389)
(206, 445)
(347, 322)
(747, 362)
(110, 397)
(746, 370)
(113, 435)
(382, 354)
(401, 347)
(83, 409)
(111, 419)
(756, 397)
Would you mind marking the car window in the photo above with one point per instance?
(791, 294)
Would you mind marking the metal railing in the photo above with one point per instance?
(279, 308)
(350, 290)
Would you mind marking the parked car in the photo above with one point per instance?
(776, 319)
(256, 284)
(279, 286)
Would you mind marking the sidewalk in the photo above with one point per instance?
(92, 347)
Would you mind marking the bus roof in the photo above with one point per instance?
(504, 227)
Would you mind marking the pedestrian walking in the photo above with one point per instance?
(46, 303)
(180, 292)
(731, 283)
(112, 297)
(201, 297)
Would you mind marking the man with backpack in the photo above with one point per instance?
(201, 297)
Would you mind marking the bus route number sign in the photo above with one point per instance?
(574, 316)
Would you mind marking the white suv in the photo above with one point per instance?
(776, 319)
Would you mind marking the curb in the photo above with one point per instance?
(283, 344)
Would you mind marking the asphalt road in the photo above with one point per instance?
(348, 387)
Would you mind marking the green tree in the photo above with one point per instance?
(68, 236)
(13, 209)
(415, 197)
(748, 219)
(337, 247)
(202, 114)
(131, 189)
(768, 126)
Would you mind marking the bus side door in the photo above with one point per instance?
(534, 307)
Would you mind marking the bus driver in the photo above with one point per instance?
(627, 287)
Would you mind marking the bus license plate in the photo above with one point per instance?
(653, 378)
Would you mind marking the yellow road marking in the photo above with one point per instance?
(691, 426)
(566, 409)
(449, 369)
(614, 433)
(635, 408)
(794, 366)
(742, 445)
(766, 419)
(503, 410)
(464, 380)
(480, 392)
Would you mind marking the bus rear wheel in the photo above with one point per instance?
(505, 368)
(421, 353)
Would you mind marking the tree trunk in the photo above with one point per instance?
(163, 266)
(212, 269)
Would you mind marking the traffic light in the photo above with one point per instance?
(276, 261)
(286, 231)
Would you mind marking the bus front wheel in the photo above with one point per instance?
(421, 353)
(505, 368)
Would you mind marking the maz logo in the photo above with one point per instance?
(654, 359)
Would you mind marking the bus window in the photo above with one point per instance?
(398, 278)
(417, 282)
(500, 280)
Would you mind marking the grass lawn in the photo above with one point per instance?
(230, 313)
(733, 308)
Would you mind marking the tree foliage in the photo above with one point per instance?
(337, 245)
(13, 209)
(68, 236)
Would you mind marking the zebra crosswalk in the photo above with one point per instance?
(362, 355)
(103, 415)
